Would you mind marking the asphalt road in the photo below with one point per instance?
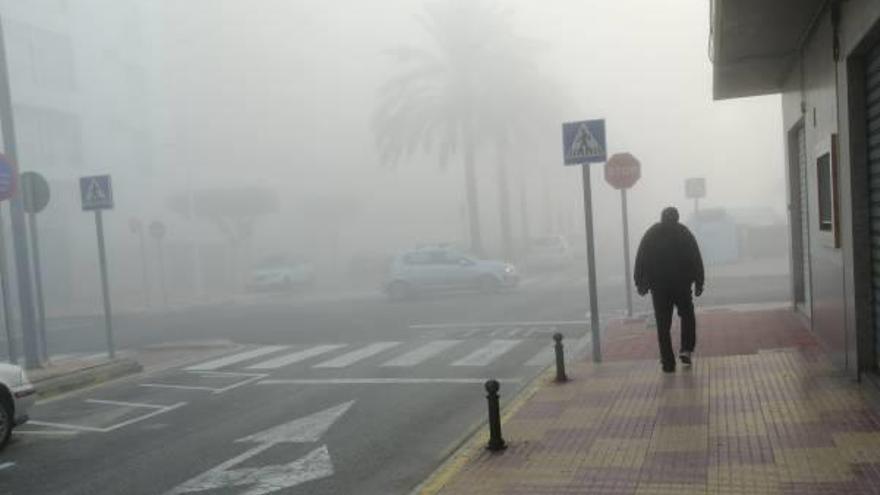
(328, 396)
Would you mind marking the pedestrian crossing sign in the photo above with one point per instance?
(583, 142)
(96, 192)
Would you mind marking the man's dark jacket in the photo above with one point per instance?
(668, 259)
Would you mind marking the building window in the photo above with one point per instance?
(828, 194)
(826, 202)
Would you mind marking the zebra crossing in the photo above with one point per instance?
(456, 353)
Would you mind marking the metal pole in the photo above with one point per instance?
(4, 287)
(38, 285)
(626, 269)
(591, 265)
(146, 273)
(105, 289)
(496, 442)
(560, 358)
(19, 233)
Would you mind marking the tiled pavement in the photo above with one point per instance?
(764, 422)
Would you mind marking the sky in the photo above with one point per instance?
(279, 96)
(288, 89)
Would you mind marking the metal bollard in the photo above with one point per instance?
(560, 359)
(496, 443)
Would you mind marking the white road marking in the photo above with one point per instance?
(6, 465)
(303, 430)
(262, 480)
(488, 353)
(295, 357)
(48, 433)
(352, 357)
(125, 404)
(542, 358)
(380, 381)
(427, 326)
(248, 378)
(157, 410)
(422, 353)
(236, 358)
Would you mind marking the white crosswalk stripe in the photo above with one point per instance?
(295, 357)
(422, 353)
(488, 353)
(544, 357)
(237, 358)
(354, 356)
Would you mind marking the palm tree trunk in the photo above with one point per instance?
(504, 201)
(473, 202)
(524, 214)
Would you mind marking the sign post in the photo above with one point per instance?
(622, 171)
(157, 231)
(695, 188)
(35, 194)
(16, 213)
(97, 195)
(584, 143)
(7, 189)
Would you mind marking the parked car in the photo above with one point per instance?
(17, 395)
(442, 268)
(551, 252)
(279, 273)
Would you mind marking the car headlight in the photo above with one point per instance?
(509, 269)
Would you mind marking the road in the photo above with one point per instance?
(325, 396)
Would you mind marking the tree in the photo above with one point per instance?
(443, 93)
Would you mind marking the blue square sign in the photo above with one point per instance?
(583, 142)
(96, 192)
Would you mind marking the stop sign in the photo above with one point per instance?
(622, 171)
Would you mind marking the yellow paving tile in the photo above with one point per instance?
(618, 453)
(737, 424)
(812, 465)
(680, 438)
(670, 489)
(859, 447)
(632, 408)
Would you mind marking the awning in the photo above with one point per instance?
(754, 43)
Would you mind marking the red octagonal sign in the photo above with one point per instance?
(622, 171)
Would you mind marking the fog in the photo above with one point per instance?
(253, 129)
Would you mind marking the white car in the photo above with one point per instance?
(17, 395)
(549, 253)
(440, 268)
(283, 275)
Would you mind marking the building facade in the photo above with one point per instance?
(823, 56)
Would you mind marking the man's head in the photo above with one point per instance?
(669, 215)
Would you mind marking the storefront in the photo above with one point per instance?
(824, 58)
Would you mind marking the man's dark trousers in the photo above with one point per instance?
(664, 300)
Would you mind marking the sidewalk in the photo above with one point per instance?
(762, 411)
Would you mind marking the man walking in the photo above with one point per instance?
(668, 262)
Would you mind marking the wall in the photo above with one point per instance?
(831, 94)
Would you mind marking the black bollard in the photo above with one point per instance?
(560, 358)
(496, 443)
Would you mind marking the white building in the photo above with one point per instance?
(824, 57)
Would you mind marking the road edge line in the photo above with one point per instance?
(472, 441)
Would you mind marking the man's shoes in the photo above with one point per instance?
(669, 369)
(685, 357)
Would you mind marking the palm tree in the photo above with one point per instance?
(443, 93)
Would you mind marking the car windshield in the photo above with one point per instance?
(278, 247)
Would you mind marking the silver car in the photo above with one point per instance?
(437, 269)
(17, 395)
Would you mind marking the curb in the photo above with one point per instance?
(473, 442)
(85, 377)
